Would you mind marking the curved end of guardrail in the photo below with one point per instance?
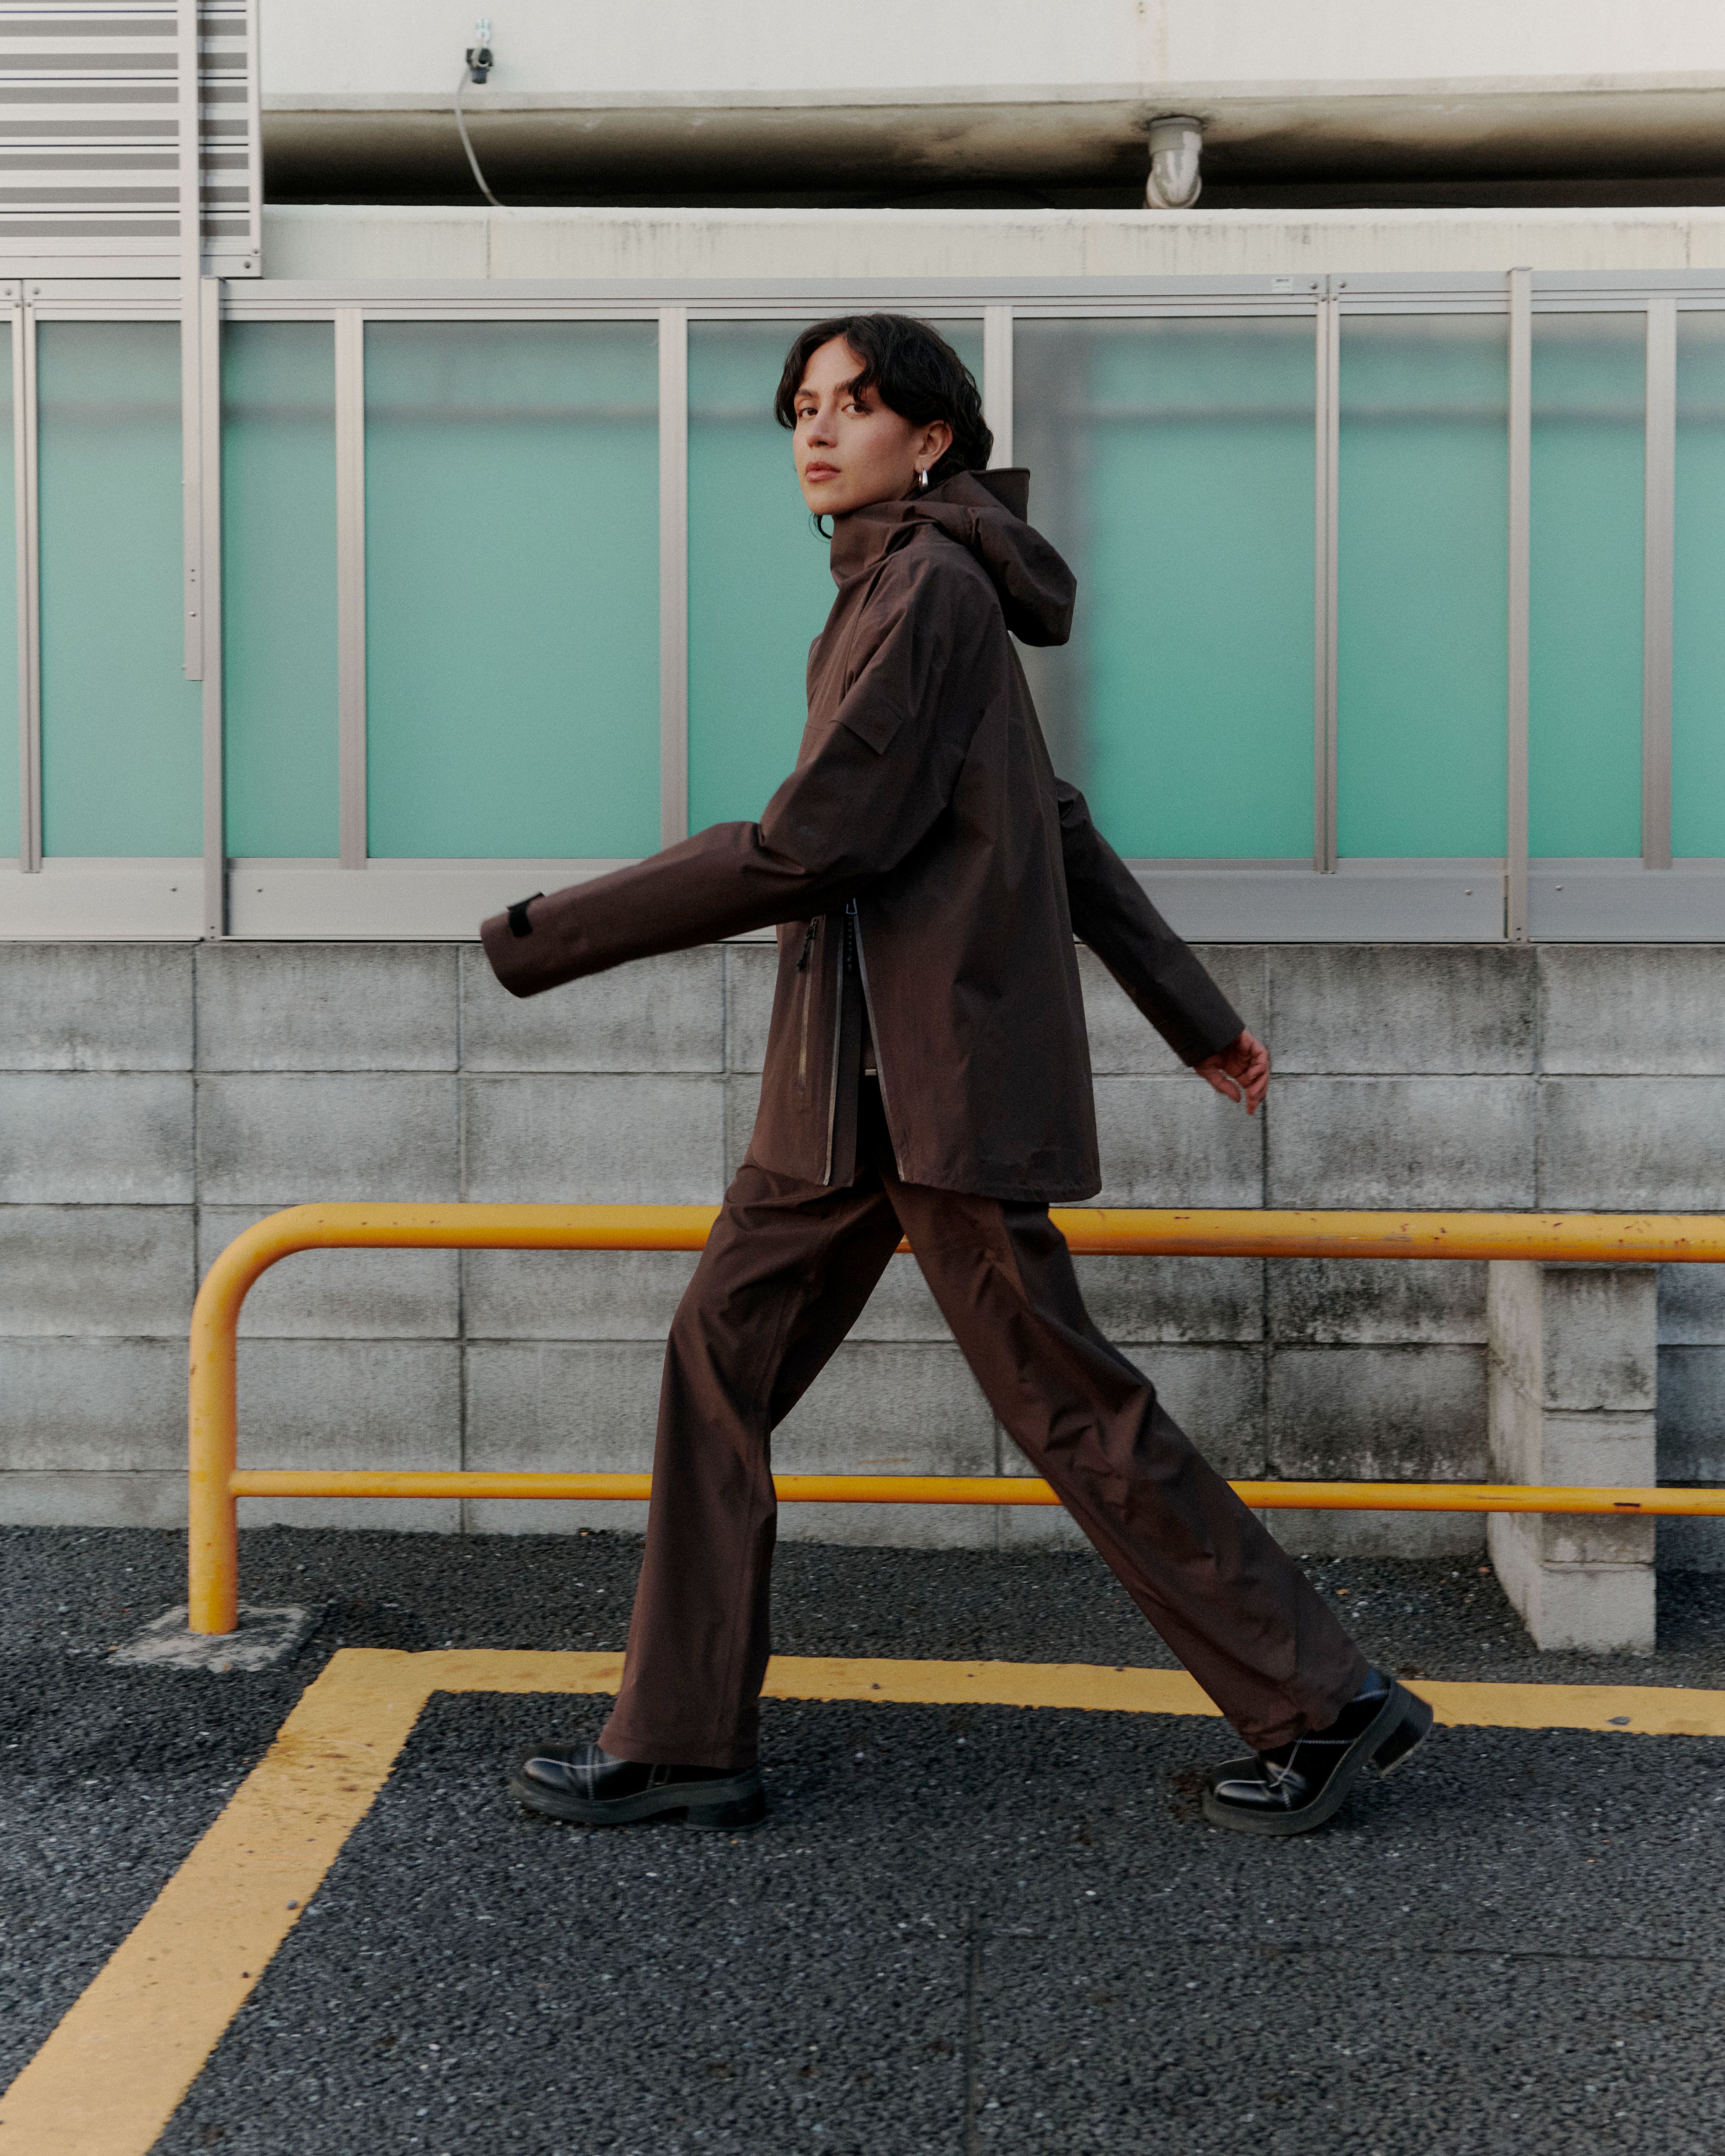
(212, 1551)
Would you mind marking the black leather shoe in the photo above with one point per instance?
(1298, 1786)
(582, 1783)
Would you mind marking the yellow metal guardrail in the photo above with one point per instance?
(217, 1481)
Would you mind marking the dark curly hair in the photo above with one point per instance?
(916, 373)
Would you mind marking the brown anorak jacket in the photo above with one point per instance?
(922, 865)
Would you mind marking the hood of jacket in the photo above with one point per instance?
(983, 511)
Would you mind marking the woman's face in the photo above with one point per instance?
(851, 448)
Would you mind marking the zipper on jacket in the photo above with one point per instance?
(803, 1015)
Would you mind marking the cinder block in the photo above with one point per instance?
(742, 1104)
(1589, 1608)
(384, 1403)
(90, 1404)
(646, 1141)
(902, 1308)
(94, 1268)
(1691, 1415)
(751, 975)
(1175, 1299)
(340, 1295)
(1378, 1415)
(1413, 1009)
(1174, 1142)
(1122, 1041)
(95, 1006)
(95, 1138)
(563, 1408)
(1633, 1144)
(327, 1007)
(286, 1138)
(67, 1497)
(574, 1295)
(1376, 1302)
(1632, 1008)
(1428, 1143)
(1576, 1336)
(664, 1014)
(1691, 1306)
(884, 1408)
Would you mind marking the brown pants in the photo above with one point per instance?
(784, 1276)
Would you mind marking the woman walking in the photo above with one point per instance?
(927, 1073)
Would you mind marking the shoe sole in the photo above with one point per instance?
(721, 1807)
(1379, 1735)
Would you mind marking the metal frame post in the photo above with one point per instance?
(997, 380)
(1659, 550)
(673, 575)
(29, 582)
(1327, 620)
(1520, 493)
(350, 583)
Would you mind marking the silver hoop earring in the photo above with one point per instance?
(922, 478)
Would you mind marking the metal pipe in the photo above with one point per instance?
(216, 1482)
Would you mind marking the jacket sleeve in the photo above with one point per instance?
(861, 798)
(1156, 968)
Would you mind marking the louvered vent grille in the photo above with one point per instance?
(90, 138)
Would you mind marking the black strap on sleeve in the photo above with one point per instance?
(519, 924)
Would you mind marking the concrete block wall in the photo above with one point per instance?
(155, 1099)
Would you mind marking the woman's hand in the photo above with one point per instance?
(1240, 1071)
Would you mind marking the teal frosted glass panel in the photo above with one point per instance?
(1698, 597)
(280, 767)
(512, 588)
(759, 586)
(1584, 613)
(121, 726)
(11, 818)
(1422, 571)
(1172, 463)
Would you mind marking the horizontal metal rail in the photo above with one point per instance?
(217, 1481)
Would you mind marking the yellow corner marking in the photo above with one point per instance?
(115, 2071)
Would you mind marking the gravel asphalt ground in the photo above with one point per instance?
(961, 1929)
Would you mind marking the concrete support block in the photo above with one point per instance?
(95, 1138)
(1174, 1142)
(1573, 1368)
(661, 1014)
(562, 1408)
(340, 1295)
(92, 1404)
(384, 1403)
(95, 1006)
(1396, 1143)
(123, 1270)
(1628, 1009)
(555, 1139)
(1376, 1302)
(1610, 1145)
(1412, 1008)
(278, 1139)
(1122, 1041)
(327, 1007)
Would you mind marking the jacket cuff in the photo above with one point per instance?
(511, 955)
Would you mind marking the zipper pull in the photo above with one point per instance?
(807, 945)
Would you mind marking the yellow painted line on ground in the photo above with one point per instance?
(112, 2076)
